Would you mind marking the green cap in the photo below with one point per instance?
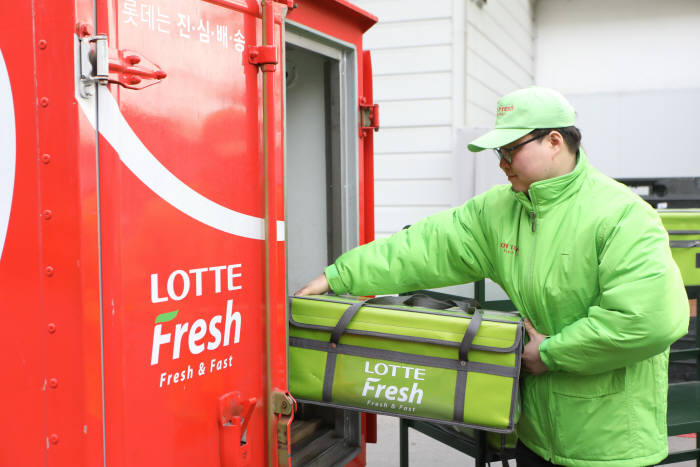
(522, 111)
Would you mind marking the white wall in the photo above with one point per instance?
(499, 59)
(588, 46)
(631, 69)
(412, 47)
(499, 51)
(439, 68)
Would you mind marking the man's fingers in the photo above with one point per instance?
(531, 331)
(317, 286)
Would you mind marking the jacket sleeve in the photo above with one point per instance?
(444, 249)
(643, 305)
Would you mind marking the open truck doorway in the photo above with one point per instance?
(321, 181)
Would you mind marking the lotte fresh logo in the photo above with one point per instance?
(196, 333)
(509, 249)
(503, 109)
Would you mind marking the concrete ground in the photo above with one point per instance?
(426, 452)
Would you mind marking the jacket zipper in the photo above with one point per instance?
(533, 219)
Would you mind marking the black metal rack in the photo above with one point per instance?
(669, 192)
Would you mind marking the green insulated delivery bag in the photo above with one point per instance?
(683, 226)
(458, 365)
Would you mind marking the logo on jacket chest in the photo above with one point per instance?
(509, 248)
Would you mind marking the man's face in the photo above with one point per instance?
(531, 162)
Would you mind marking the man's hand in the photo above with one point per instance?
(531, 354)
(317, 286)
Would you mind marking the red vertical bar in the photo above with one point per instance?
(24, 332)
(275, 331)
(370, 420)
(367, 154)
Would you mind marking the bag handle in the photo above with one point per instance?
(425, 301)
(684, 243)
(469, 306)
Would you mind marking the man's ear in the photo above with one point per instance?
(555, 141)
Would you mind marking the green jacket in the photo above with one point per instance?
(588, 262)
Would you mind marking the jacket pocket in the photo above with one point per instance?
(589, 386)
(590, 416)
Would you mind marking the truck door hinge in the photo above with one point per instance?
(284, 406)
(264, 56)
(128, 69)
(94, 67)
(369, 117)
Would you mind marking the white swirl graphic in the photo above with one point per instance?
(8, 148)
(139, 160)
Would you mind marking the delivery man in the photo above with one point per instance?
(585, 261)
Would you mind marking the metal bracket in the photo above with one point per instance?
(283, 403)
(94, 63)
(369, 117)
(129, 69)
(264, 56)
(284, 406)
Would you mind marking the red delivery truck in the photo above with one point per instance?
(170, 172)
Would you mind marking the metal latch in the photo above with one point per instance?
(134, 71)
(94, 64)
(369, 116)
(128, 69)
(284, 406)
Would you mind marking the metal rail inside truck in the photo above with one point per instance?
(170, 172)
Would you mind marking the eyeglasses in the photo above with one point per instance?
(507, 153)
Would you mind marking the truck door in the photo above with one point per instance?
(191, 263)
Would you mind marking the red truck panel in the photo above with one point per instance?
(141, 233)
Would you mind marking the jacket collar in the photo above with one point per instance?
(548, 193)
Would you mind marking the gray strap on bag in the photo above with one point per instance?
(344, 320)
(461, 381)
(469, 335)
(332, 355)
(410, 300)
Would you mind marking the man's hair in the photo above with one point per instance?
(571, 135)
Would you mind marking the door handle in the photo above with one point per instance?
(234, 416)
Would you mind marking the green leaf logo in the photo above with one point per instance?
(165, 317)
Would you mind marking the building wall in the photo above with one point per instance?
(499, 55)
(413, 84)
(586, 46)
(499, 59)
(630, 68)
(439, 68)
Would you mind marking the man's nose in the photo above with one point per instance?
(503, 163)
